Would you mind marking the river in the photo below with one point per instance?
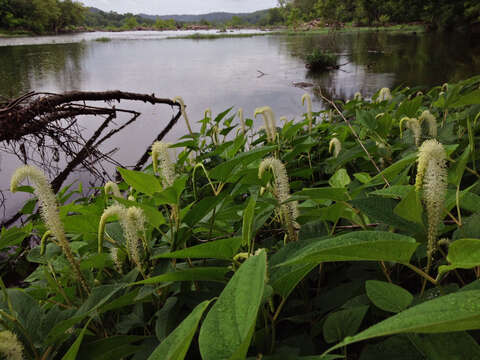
(245, 72)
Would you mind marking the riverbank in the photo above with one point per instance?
(228, 32)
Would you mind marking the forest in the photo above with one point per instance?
(442, 14)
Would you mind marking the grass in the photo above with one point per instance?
(103, 39)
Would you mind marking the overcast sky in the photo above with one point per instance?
(171, 7)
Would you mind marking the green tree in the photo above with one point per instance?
(131, 22)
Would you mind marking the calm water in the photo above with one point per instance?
(220, 73)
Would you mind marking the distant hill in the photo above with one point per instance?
(215, 17)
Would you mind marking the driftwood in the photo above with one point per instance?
(45, 124)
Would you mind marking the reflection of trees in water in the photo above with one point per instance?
(378, 59)
(26, 67)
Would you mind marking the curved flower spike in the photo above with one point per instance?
(384, 95)
(167, 167)
(184, 113)
(336, 146)
(48, 211)
(281, 190)
(414, 125)
(432, 179)
(208, 113)
(270, 124)
(307, 97)
(242, 120)
(431, 122)
(111, 187)
(10, 346)
(357, 96)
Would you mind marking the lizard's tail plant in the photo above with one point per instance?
(167, 167)
(179, 100)
(415, 126)
(307, 97)
(49, 212)
(357, 96)
(281, 190)
(270, 124)
(431, 123)
(112, 188)
(432, 180)
(384, 95)
(242, 120)
(10, 346)
(336, 146)
(132, 221)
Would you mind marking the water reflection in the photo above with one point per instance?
(24, 68)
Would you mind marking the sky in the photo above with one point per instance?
(169, 7)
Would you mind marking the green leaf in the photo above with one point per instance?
(472, 98)
(176, 345)
(454, 312)
(410, 208)
(340, 179)
(223, 171)
(388, 297)
(357, 246)
(73, 351)
(382, 210)
(247, 224)
(397, 347)
(201, 209)
(144, 183)
(343, 323)
(448, 346)
(462, 254)
(229, 325)
(193, 274)
(112, 348)
(284, 279)
(12, 236)
(218, 249)
(326, 193)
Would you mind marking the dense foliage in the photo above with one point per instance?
(40, 16)
(444, 13)
(352, 232)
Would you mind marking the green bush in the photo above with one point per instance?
(319, 60)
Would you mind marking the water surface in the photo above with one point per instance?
(243, 72)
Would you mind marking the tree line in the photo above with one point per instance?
(444, 14)
(41, 16)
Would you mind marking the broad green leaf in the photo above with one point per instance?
(218, 249)
(398, 347)
(222, 172)
(393, 170)
(388, 297)
(454, 312)
(176, 345)
(409, 107)
(455, 174)
(343, 323)
(468, 99)
(12, 236)
(229, 325)
(193, 274)
(247, 224)
(284, 279)
(382, 210)
(340, 179)
(144, 183)
(73, 351)
(394, 191)
(357, 246)
(469, 229)
(201, 209)
(462, 254)
(326, 193)
(112, 348)
(410, 208)
(448, 346)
